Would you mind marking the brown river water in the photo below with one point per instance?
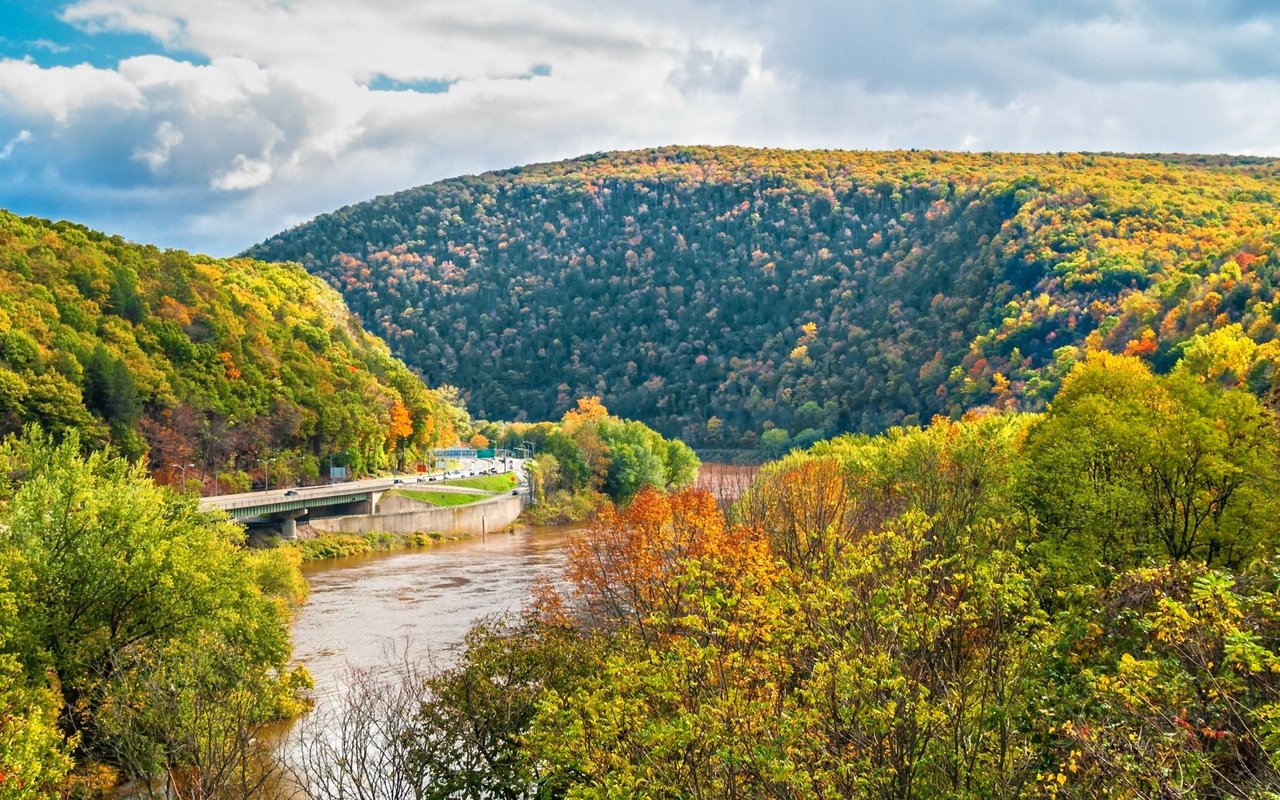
(424, 600)
(427, 599)
(367, 612)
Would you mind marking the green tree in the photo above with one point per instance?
(34, 755)
(1127, 466)
(546, 476)
(118, 574)
(680, 465)
(635, 456)
(109, 389)
(774, 442)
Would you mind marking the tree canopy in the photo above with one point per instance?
(1003, 606)
(138, 632)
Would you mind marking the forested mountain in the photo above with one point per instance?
(196, 361)
(719, 293)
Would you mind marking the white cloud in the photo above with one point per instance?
(12, 144)
(167, 138)
(279, 124)
(98, 16)
(245, 173)
(48, 46)
(55, 92)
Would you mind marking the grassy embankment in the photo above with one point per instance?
(441, 499)
(490, 483)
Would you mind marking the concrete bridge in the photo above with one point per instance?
(284, 507)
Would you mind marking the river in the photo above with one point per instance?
(426, 599)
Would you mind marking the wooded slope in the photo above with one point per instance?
(717, 293)
(194, 360)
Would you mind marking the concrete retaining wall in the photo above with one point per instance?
(483, 517)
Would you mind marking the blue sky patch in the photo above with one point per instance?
(32, 30)
(382, 83)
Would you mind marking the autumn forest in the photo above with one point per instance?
(726, 295)
(1011, 528)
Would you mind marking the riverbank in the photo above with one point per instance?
(326, 546)
(564, 508)
(726, 481)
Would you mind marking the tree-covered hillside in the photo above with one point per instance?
(197, 361)
(719, 293)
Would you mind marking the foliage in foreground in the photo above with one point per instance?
(136, 631)
(999, 607)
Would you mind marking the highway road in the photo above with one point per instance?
(405, 480)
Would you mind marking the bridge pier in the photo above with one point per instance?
(289, 523)
(370, 504)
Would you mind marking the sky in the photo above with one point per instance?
(212, 124)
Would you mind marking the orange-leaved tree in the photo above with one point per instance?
(630, 569)
(809, 513)
(399, 428)
(589, 412)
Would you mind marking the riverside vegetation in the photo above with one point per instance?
(590, 457)
(139, 639)
(1083, 603)
(141, 643)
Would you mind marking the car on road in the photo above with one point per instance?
(420, 479)
(397, 482)
(290, 492)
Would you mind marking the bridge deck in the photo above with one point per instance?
(255, 504)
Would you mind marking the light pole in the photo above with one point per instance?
(183, 473)
(528, 450)
(266, 470)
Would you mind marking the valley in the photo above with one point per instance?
(1015, 527)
